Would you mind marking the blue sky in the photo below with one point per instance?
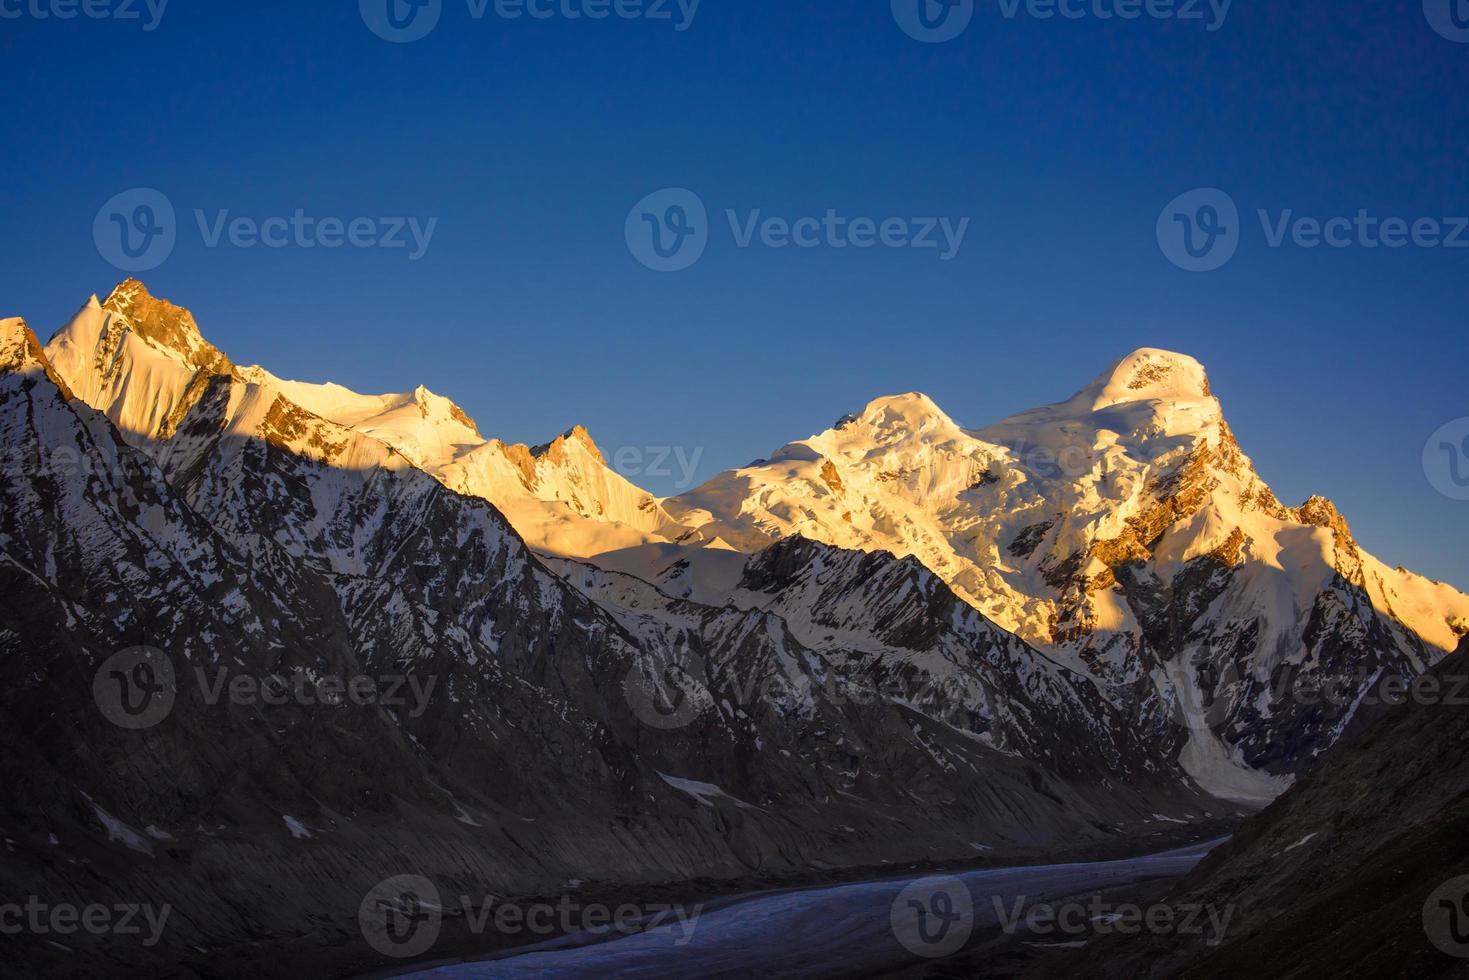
(529, 140)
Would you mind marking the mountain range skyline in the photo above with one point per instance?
(1089, 626)
(1122, 524)
(667, 470)
(1059, 275)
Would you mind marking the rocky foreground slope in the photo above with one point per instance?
(1361, 870)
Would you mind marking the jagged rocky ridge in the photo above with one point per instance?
(155, 494)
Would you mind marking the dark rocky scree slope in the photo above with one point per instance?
(1331, 880)
(527, 768)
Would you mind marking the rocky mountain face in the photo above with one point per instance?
(527, 721)
(1125, 534)
(1360, 870)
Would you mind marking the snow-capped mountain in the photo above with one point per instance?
(143, 362)
(850, 709)
(1124, 532)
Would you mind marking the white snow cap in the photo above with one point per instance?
(1147, 374)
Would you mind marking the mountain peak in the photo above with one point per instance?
(18, 345)
(1149, 374)
(164, 325)
(576, 434)
(21, 352)
(911, 412)
(432, 406)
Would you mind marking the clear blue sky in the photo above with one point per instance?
(530, 141)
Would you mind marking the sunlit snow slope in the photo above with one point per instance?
(143, 361)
